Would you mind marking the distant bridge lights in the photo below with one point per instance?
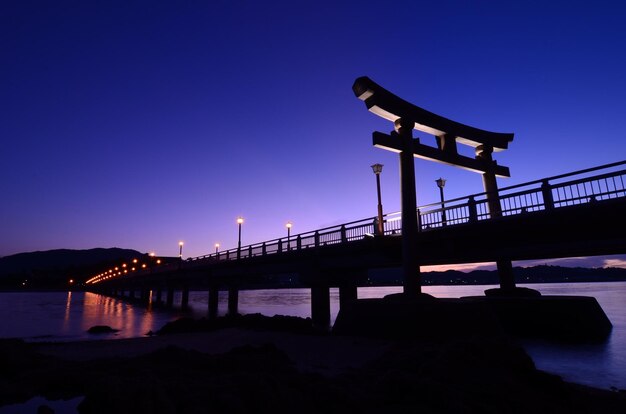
(378, 168)
(441, 183)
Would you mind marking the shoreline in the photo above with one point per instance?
(239, 369)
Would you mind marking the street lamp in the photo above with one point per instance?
(239, 223)
(378, 168)
(217, 248)
(288, 225)
(441, 183)
(180, 250)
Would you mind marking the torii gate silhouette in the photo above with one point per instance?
(448, 133)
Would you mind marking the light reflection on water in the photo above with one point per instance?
(62, 316)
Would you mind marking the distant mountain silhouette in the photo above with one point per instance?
(534, 274)
(54, 267)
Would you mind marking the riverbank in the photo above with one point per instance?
(237, 369)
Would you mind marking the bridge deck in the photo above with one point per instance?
(561, 216)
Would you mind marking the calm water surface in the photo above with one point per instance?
(64, 316)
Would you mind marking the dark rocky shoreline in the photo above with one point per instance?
(470, 375)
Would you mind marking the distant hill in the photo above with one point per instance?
(534, 274)
(52, 268)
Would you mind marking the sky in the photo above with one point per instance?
(141, 124)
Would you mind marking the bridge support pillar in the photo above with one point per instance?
(170, 297)
(213, 302)
(233, 300)
(131, 293)
(184, 301)
(505, 273)
(347, 294)
(159, 295)
(320, 307)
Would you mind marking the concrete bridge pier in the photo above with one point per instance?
(505, 273)
(233, 300)
(131, 293)
(159, 295)
(347, 294)
(213, 302)
(320, 307)
(169, 301)
(184, 302)
(144, 295)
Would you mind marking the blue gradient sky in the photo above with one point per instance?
(139, 124)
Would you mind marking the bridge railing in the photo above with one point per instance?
(548, 193)
(342, 233)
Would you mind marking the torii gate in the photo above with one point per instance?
(448, 133)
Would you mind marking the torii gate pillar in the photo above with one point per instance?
(410, 264)
(505, 267)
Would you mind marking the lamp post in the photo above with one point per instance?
(378, 168)
(288, 225)
(239, 223)
(441, 183)
(217, 248)
(180, 255)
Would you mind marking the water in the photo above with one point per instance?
(64, 316)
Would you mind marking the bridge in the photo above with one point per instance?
(574, 214)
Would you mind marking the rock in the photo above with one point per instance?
(292, 324)
(101, 329)
(44, 409)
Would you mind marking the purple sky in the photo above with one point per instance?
(136, 124)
